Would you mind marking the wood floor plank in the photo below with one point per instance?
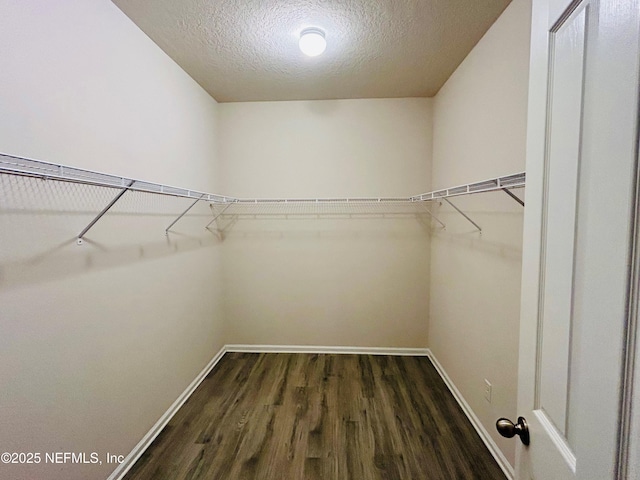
(312, 416)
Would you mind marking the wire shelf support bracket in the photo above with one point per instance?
(79, 241)
(444, 227)
(513, 195)
(166, 230)
(464, 215)
(219, 214)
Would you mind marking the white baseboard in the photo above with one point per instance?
(146, 441)
(321, 349)
(482, 431)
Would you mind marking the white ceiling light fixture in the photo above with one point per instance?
(312, 42)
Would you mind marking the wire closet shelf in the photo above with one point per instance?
(13, 165)
(516, 180)
(53, 171)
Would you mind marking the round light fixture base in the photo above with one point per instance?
(312, 41)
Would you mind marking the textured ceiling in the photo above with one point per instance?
(247, 50)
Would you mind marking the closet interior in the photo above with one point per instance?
(295, 226)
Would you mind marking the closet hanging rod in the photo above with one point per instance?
(13, 165)
(506, 182)
(323, 201)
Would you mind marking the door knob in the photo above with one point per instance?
(506, 428)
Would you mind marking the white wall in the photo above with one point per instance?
(98, 340)
(327, 281)
(479, 133)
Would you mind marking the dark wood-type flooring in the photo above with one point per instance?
(307, 416)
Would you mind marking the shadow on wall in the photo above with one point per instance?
(39, 221)
(499, 219)
(59, 262)
(472, 240)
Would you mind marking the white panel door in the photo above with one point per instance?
(579, 219)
